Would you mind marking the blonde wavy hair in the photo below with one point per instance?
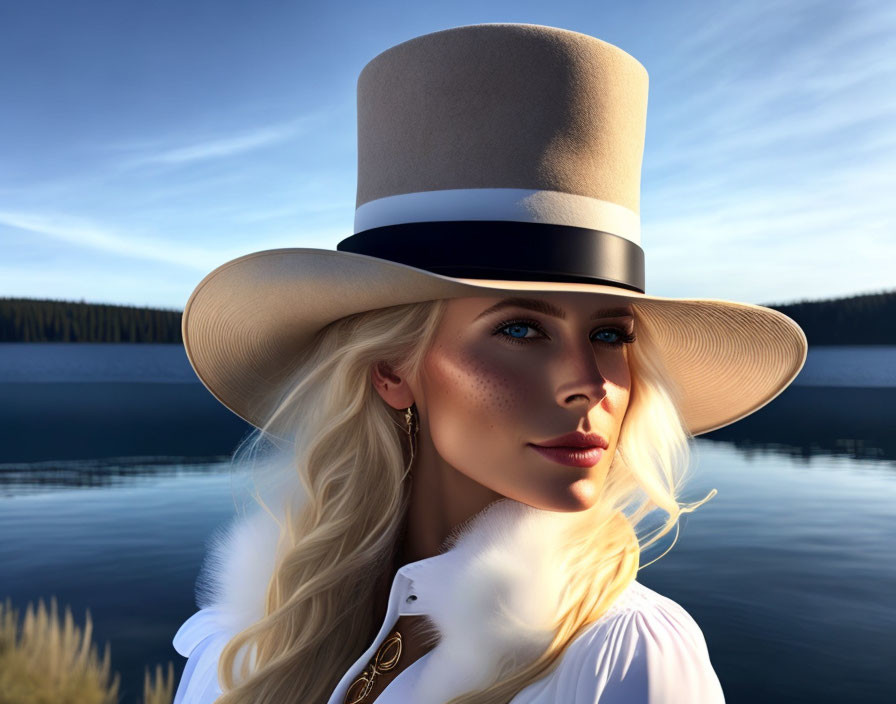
(350, 453)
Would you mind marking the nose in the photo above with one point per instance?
(582, 381)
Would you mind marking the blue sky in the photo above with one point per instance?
(142, 144)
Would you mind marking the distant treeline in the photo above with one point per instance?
(865, 319)
(36, 320)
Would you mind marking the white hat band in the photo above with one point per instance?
(512, 204)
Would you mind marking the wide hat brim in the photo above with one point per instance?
(248, 320)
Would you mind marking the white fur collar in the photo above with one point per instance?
(492, 597)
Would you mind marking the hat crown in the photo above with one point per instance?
(503, 151)
(531, 123)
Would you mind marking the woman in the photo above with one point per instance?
(466, 410)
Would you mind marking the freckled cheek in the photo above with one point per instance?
(482, 389)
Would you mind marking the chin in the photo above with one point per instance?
(583, 501)
(581, 496)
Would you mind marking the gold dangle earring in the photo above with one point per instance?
(412, 425)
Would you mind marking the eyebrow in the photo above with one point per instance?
(542, 306)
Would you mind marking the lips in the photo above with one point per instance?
(576, 440)
(571, 456)
(573, 449)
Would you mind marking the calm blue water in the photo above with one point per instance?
(789, 570)
(48, 362)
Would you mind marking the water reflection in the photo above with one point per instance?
(21, 479)
(65, 421)
(807, 421)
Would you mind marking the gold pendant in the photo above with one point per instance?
(386, 658)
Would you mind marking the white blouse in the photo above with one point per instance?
(646, 649)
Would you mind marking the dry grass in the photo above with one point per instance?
(52, 661)
(159, 690)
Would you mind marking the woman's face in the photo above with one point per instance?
(504, 374)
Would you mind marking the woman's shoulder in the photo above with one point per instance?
(200, 639)
(639, 605)
(646, 649)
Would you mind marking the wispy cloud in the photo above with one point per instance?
(168, 249)
(92, 236)
(169, 152)
(226, 146)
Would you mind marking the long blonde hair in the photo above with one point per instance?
(350, 454)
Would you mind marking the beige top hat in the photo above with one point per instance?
(491, 158)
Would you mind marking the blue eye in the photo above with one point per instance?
(615, 334)
(517, 330)
(620, 336)
(517, 333)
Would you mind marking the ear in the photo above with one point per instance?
(393, 389)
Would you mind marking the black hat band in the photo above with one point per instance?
(501, 249)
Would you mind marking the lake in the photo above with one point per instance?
(114, 477)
